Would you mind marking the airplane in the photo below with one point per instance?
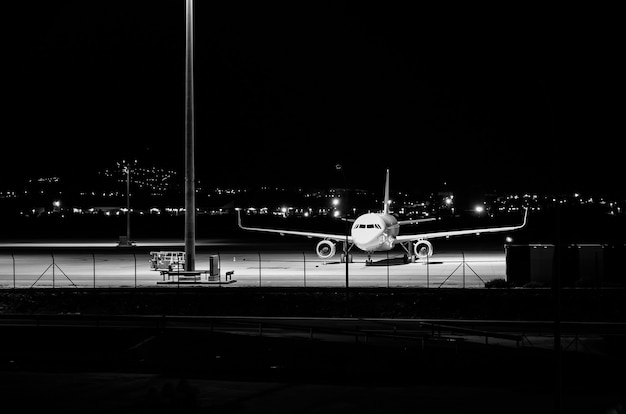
(376, 232)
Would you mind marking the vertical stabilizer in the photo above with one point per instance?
(386, 202)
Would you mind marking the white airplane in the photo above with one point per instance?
(376, 232)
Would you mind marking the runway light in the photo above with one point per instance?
(479, 209)
(335, 201)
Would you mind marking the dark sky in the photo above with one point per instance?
(488, 98)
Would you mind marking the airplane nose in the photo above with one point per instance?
(369, 240)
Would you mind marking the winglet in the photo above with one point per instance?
(525, 217)
(524, 220)
(239, 217)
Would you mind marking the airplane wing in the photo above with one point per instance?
(337, 237)
(415, 221)
(439, 234)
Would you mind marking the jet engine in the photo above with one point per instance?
(325, 249)
(423, 249)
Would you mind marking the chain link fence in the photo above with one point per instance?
(248, 269)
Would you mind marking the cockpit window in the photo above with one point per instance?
(367, 226)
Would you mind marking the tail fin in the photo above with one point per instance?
(386, 202)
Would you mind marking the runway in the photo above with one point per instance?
(100, 264)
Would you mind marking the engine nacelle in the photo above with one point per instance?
(423, 249)
(325, 249)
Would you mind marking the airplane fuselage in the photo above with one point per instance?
(375, 232)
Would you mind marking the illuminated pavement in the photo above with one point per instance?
(101, 264)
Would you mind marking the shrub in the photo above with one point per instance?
(497, 283)
(533, 284)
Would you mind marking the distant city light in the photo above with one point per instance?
(159, 187)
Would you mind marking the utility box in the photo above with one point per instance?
(529, 263)
(588, 264)
(125, 242)
(214, 266)
(614, 270)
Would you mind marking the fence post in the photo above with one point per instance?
(135, 257)
(304, 262)
(427, 273)
(53, 266)
(13, 258)
(259, 253)
(387, 269)
(93, 256)
(463, 253)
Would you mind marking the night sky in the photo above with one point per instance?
(487, 98)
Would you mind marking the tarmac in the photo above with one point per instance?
(286, 264)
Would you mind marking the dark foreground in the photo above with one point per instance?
(162, 369)
(575, 304)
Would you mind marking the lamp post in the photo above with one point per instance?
(125, 241)
(127, 169)
(345, 249)
(190, 187)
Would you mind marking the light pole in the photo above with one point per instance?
(345, 249)
(127, 168)
(126, 241)
(190, 176)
